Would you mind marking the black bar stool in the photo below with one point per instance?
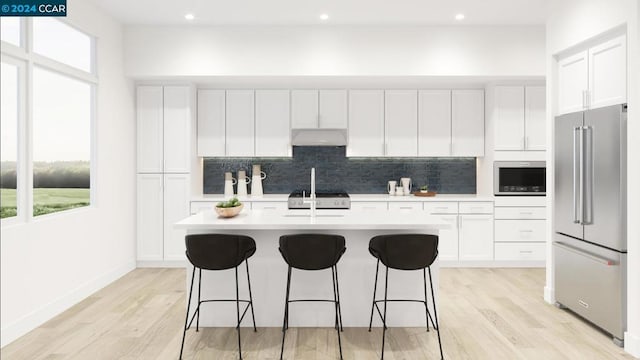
(405, 252)
(218, 252)
(312, 252)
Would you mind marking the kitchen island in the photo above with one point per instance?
(268, 270)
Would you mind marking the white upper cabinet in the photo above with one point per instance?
(535, 137)
(163, 129)
(366, 123)
(240, 123)
(304, 109)
(467, 122)
(272, 123)
(177, 129)
(593, 78)
(434, 123)
(312, 109)
(149, 128)
(519, 114)
(211, 122)
(401, 122)
(607, 73)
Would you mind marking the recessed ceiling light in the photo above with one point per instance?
(189, 16)
(459, 16)
(324, 17)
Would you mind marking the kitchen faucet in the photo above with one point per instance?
(312, 196)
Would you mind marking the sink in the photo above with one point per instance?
(317, 215)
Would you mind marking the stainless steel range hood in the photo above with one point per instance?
(319, 137)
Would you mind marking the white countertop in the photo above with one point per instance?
(296, 219)
(354, 197)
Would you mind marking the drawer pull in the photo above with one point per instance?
(526, 212)
(526, 231)
(526, 251)
(406, 207)
(441, 208)
(269, 208)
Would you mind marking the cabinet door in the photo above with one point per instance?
(448, 239)
(476, 237)
(572, 82)
(211, 123)
(401, 122)
(467, 122)
(304, 109)
(509, 117)
(149, 217)
(149, 128)
(434, 123)
(272, 123)
(176, 208)
(333, 109)
(177, 129)
(608, 73)
(366, 123)
(240, 123)
(534, 118)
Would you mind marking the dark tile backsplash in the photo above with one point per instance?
(334, 171)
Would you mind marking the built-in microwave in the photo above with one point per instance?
(528, 178)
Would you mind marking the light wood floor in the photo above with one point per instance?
(484, 313)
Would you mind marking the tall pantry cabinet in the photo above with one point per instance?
(163, 171)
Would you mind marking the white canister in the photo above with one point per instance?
(229, 181)
(243, 180)
(257, 176)
(406, 185)
(391, 187)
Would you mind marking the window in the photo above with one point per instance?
(10, 30)
(61, 142)
(8, 139)
(61, 42)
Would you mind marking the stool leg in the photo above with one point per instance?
(285, 324)
(199, 302)
(384, 317)
(339, 323)
(435, 313)
(186, 321)
(238, 314)
(253, 316)
(375, 286)
(336, 301)
(426, 307)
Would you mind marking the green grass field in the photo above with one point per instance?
(45, 200)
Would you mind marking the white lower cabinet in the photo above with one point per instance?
(520, 251)
(520, 228)
(162, 200)
(475, 237)
(448, 239)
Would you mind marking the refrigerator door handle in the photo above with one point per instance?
(587, 212)
(581, 176)
(576, 175)
(590, 256)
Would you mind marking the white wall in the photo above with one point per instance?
(153, 51)
(571, 22)
(53, 262)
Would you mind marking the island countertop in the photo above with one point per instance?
(324, 220)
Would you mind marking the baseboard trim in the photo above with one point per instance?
(39, 316)
(549, 295)
(632, 344)
(162, 264)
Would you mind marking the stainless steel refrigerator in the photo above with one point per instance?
(590, 241)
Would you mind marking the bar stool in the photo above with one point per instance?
(312, 252)
(405, 252)
(218, 252)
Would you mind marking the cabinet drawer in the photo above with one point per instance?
(521, 213)
(269, 205)
(441, 207)
(520, 251)
(407, 205)
(520, 230)
(198, 206)
(476, 207)
(369, 205)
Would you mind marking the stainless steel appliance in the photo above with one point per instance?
(520, 178)
(324, 200)
(590, 242)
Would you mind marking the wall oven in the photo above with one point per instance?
(528, 178)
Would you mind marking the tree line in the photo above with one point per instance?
(58, 174)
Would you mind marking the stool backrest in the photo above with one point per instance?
(218, 251)
(405, 251)
(312, 251)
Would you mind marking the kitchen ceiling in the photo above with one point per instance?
(340, 12)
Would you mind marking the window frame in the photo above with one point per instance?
(30, 60)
